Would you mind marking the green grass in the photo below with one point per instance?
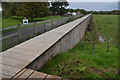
(78, 63)
(14, 21)
(82, 64)
(108, 25)
(9, 22)
(23, 27)
(46, 18)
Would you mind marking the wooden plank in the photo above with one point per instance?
(24, 74)
(52, 77)
(5, 76)
(65, 79)
(48, 38)
(18, 56)
(19, 74)
(22, 51)
(9, 70)
(37, 75)
(14, 62)
(35, 46)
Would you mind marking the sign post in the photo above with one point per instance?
(25, 21)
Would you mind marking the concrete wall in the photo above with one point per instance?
(70, 36)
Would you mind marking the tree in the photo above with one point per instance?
(33, 10)
(25, 9)
(59, 7)
(81, 10)
(7, 9)
(70, 10)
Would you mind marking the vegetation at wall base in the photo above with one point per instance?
(79, 62)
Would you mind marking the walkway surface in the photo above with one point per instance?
(28, 74)
(15, 60)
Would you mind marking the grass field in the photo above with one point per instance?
(108, 25)
(80, 63)
(14, 21)
(23, 27)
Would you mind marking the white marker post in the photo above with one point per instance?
(25, 21)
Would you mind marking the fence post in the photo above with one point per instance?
(19, 32)
(63, 20)
(35, 28)
(57, 21)
(52, 23)
(73, 17)
(66, 19)
(44, 25)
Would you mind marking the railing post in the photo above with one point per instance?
(52, 23)
(35, 28)
(66, 19)
(73, 17)
(63, 20)
(44, 25)
(57, 21)
(19, 32)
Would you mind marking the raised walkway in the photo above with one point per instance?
(34, 53)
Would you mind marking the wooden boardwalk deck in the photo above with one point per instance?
(16, 59)
(28, 74)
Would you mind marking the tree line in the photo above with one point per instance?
(33, 10)
(114, 12)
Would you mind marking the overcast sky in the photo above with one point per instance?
(93, 0)
(96, 5)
